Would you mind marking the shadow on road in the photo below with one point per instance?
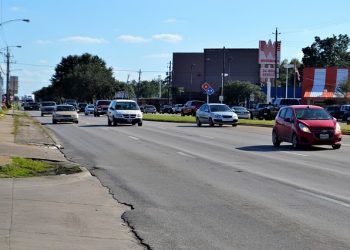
(271, 148)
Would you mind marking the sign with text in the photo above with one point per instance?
(267, 52)
(268, 73)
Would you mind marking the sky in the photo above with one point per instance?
(133, 35)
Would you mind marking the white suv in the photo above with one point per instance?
(124, 111)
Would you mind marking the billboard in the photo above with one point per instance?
(267, 52)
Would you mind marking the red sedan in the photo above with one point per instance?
(306, 125)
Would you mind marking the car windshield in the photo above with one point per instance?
(103, 102)
(312, 114)
(127, 106)
(220, 108)
(65, 108)
(48, 104)
(239, 108)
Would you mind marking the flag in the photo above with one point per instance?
(297, 72)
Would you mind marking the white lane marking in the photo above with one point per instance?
(325, 198)
(293, 153)
(184, 154)
(346, 145)
(134, 138)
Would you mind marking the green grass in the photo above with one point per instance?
(191, 119)
(21, 167)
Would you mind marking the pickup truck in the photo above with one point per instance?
(278, 103)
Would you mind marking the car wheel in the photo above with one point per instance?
(109, 122)
(275, 140)
(336, 146)
(86, 114)
(234, 125)
(295, 142)
(211, 123)
(54, 121)
(139, 124)
(198, 122)
(76, 122)
(42, 114)
(115, 123)
(182, 113)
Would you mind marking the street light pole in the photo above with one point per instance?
(222, 75)
(14, 20)
(287, 66)
(8, 74)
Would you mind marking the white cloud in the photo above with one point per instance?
(15, 9)
(172, 38)
(132, 39)
(84, 40)
(170, 20)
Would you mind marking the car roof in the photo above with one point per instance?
(64, 105)
(304, 107)
(123, 100)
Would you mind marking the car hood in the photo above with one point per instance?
(319, 123)
(224, 113)
(128, 112)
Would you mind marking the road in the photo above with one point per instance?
(216, 188)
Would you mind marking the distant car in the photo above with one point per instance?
(216, 113)
(345, 111)
(190, 107)
(89, 109)
(241, 112)
(166, 109)
(348, 121)
(335, 111)
(72, 102)
(149, 109)
(47, 107)
(177, 108)
(65, 113)
(31, 106)
(306, 125)
(101, 107)
(81, 106)
(124, 111)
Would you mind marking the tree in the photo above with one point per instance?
(291, 72)
(332, 51)
(344, 89)
(237, 92)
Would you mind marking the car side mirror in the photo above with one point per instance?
(111, 108)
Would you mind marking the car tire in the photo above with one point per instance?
(54, 121)
(198, 122)
(42, 114)
(211, 123)
(182, 113)
(336, 146)
(76, 122)
(275, 140)
(109, 122)
(295, 142)
(234, 125)
(139, 124)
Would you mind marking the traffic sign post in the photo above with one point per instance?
(208, 89)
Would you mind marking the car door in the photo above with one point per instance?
(288, 125)
(279, 124)
(202, 114)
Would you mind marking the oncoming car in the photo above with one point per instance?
(124, 111)
(216, 113)
(65, 113)
(306, 125)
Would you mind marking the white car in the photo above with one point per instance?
(89, 109)
(241, 112)
(149, 109)
(65, 113)
(124, 111)
(216, 113)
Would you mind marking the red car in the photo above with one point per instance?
(306, 125)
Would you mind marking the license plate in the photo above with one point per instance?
(324, 136)
(129, 120)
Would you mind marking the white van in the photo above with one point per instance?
(124, 112)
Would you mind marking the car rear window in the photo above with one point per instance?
(289, 102)
(103, 102)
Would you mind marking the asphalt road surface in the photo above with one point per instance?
(216, 187)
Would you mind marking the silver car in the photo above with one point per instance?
(216, 113)
(241, 112)
(47, 107)
(65, 113)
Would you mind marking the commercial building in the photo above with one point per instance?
(214, 66)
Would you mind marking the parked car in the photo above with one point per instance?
(166, 108)
(335, 111)
(258, 111)
(177, 108)
(65, 113)
(348, 121)
(31, 106)
(89, 109)
(190, 107)
(216, 113)
(149, 109)
(306, 125)
(47, 107)
(241, 112)
(124, 111)
(271, 111)
(101, 107)
(345, 111)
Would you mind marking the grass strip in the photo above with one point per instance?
(22, 167)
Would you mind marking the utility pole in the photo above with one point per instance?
(7, 77)
(170, 87)
(139, 85)
(276, 46)
(222, 75)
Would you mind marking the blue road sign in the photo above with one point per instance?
(210, 91)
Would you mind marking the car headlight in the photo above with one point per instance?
(118, 115)
(216, 116)
(304, 128)
(337, 128)
(139, 115)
